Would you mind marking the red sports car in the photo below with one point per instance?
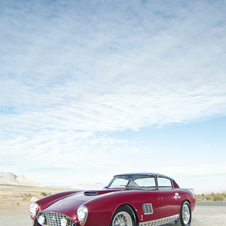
(141, 199)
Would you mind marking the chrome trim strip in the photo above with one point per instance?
(161, 221)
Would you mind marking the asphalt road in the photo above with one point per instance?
(211, 204)
(205, 214)
(208, 214)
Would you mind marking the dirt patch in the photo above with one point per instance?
(17, 199)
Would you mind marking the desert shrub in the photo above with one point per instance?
(199, 197)
(224, 195)
(218, 197)
(209, 197)
(43, 194)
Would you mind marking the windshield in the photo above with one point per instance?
(132, 182)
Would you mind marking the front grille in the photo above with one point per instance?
(53, 219)
(147, 208)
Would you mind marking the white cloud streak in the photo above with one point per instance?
(130, 108)
(70, 70)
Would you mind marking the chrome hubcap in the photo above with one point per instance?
(186, 214)
(122, 219)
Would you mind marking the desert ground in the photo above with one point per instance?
(16, 199)
(15, 202)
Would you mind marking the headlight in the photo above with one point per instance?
(41, 220)
(63, 222)
(82, 214)
(33, 209)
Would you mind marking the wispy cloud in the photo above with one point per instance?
(82, 154)
(130, 107)
(72, 70)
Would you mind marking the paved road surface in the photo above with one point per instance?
(205, 214)
(210, 203)
(208, 214)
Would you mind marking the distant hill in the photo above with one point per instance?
(12, 179)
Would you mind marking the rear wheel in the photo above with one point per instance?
(185, 214)
(123, 216)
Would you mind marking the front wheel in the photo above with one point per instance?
(123, 216)
(185, 214)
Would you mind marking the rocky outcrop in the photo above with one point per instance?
(12, 179)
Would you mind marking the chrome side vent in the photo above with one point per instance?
(147, 208)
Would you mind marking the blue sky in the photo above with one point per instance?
(89, 89)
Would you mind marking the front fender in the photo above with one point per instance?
(102, 209)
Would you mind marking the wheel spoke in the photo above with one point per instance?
(186, 214)
(122, 219)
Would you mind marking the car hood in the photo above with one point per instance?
(68, 205)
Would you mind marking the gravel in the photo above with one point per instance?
(202, 216)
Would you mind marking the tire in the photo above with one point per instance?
(185, 214)
(123, 216)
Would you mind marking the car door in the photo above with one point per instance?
(168, 198)
(149, 199)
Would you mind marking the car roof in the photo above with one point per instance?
(141, 174)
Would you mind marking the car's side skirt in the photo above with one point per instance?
(160, 221)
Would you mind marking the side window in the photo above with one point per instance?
(148, 182)
(164, 183)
